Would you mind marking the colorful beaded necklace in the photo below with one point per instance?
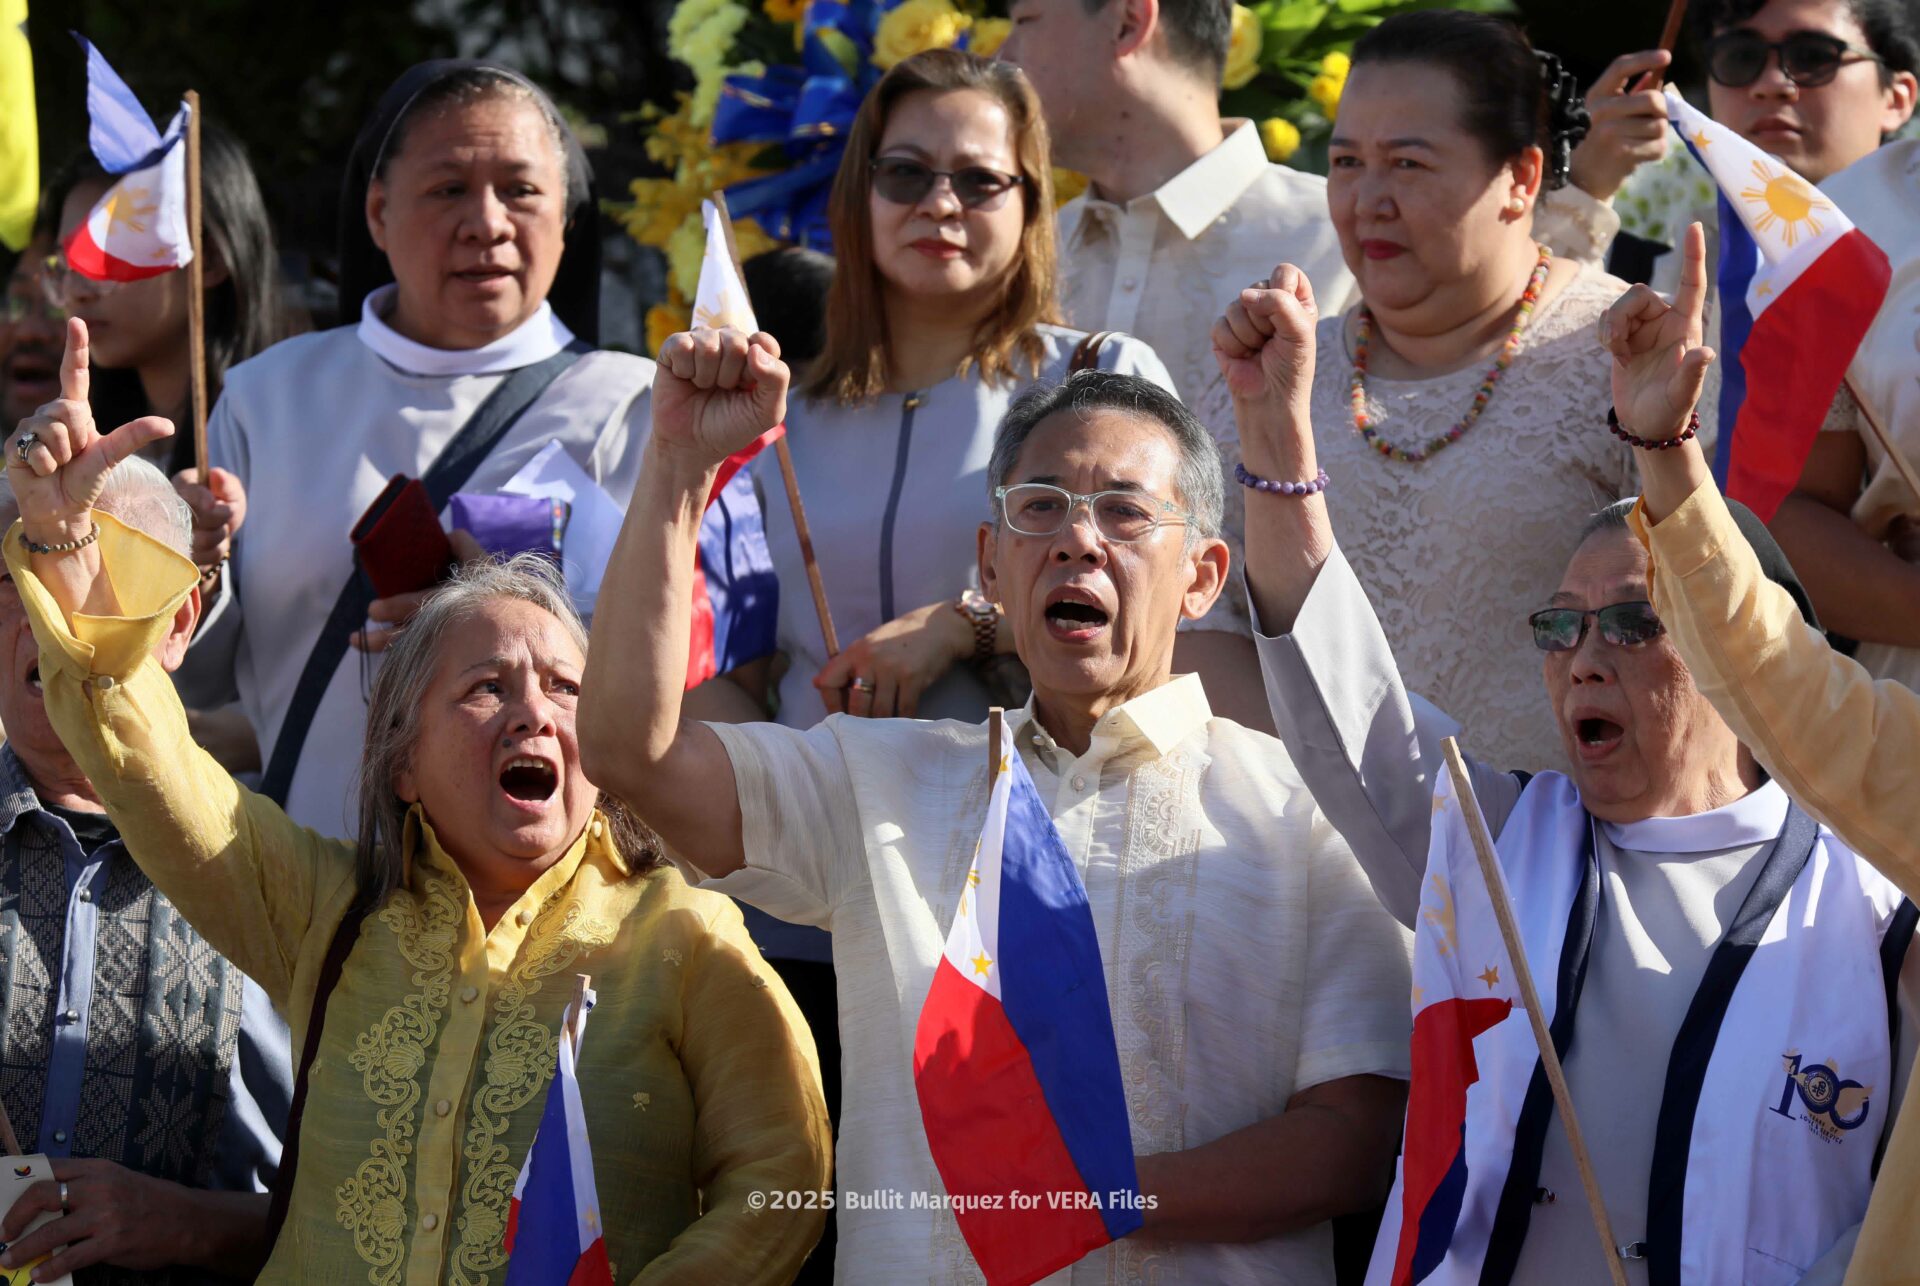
(1363, 337)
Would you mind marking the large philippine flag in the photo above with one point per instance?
(1014, 1057)
(1799, 286)
(1462, 986)
(736, 595)
(554, 1236)
(138, 228)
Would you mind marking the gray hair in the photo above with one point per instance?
(399, 694)
(1198, 481)
(139, 495)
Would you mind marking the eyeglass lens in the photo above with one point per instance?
(1807, 58)
(907, 182)
(1036, 509)
(1561, 629)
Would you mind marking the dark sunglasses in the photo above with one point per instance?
(1807, 58)
(1561, 629)
(906, 182)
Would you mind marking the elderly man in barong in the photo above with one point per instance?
(1257, 988)
(1724, 977)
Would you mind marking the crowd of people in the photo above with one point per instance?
(1238, 488)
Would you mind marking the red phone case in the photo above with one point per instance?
(399, 543)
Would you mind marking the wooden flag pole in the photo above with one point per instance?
(996, 721)
(8, 1138)
(1523, 976)
(1879, 430)
(571, 1032)
(1669, 36)
(196, 292)
(794, 503)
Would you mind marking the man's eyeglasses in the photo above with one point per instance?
(1561, 629)
(30, 303)
(907, 182)
(1041, 509)
(1807, 58)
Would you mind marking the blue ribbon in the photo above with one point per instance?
(806, 110)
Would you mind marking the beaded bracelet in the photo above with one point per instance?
(65, 547)
(1312, 488)
(1648, 444)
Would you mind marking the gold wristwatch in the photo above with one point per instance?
(984, 615)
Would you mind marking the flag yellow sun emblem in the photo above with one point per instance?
(1786, 199)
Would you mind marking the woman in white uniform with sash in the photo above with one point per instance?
(470, 267)
(1723, 976)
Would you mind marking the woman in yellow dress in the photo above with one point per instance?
(425, 969)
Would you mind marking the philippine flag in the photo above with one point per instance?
(138, 229)
(1014, 1057)
(736, 595)
(1799, 286)
(553, 1224)
(1462, 986)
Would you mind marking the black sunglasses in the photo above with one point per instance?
(907, 182)
(1807, 58)
(1561, 629)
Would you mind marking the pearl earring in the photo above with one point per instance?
(1517, 206)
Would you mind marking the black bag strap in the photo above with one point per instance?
(1086, 356)
(337, 951)
(448, 473)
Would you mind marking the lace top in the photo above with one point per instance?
(1457, 551)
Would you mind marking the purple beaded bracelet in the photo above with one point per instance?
(1313, 488)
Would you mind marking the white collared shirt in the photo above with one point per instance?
(1246, 955)
(1165, 265)
(533, 340)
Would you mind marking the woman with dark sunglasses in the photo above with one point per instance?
(1721, 967)
(941, 309)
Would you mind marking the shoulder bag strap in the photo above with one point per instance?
(448, 473)
(1893, 956)
(337, 951)
(1086, 357)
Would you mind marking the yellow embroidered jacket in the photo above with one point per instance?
(700, 1083)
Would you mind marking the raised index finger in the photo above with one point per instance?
(1690, 301)
(74, 375)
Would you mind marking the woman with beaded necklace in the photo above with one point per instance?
(1466, 383)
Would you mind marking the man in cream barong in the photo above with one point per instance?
(1723, 976)
(1257, 987)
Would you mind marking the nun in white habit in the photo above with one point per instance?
(470, 261)
(1727, 983)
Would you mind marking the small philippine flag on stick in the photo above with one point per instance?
(554, 1235)
(138, 229)
(1014, 1058)
(1799, 285)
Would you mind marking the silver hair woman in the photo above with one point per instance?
(427, 969)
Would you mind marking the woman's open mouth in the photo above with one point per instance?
(1596, 737)
(527, 780)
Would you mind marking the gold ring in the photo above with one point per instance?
(863, 685)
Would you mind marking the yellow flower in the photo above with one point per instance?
(689, 17)
(1326, 88)
(1243, 49)
(914, 26)
(663, 321)
(750, 239)
(785, 10)
(1067, 184)
(685, 248)
(988, 35)
(1281, 137)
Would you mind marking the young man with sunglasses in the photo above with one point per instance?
(1719, 965)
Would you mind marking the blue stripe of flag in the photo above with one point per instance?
(1739, 262)
(546, 1237)
(1054, 991)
